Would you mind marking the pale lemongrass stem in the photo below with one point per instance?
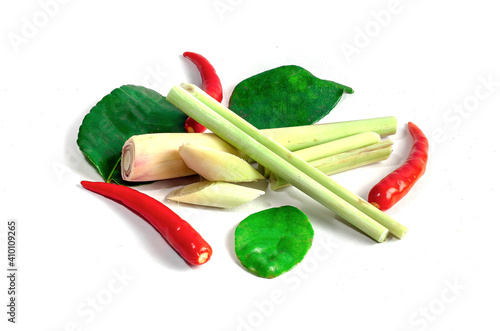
(150, 157)
(293, 137)
(365, 207)
(342, 162)
(218, 166)
(260, 153)
(338, 146)
(333, 147)
(155, 156)
(215, 194)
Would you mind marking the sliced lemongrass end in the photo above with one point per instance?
(218, 166)
(128, 155)
(215, 194)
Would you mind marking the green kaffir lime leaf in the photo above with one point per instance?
(126, 111)
(285, 96)
(273, 241)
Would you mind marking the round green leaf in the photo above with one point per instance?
(285, 96)
(273, 241)
(126, 111)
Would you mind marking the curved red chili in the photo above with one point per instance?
(397, 184)
(191, 126)
(210, 83)
(176, 231)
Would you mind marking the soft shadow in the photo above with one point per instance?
(171, 183)
(192, 74)
(258, 185)
(319, 214)
(231, 247)
(79, 163)
(152, 240)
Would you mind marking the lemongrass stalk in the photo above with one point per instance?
(365, 207)
(338, 146)
(150, 157)
(215, 194)
(342, 162)
(225, 129)
(333, 147)
(293, 138)
(218, 166)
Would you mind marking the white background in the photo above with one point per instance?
(86, 263)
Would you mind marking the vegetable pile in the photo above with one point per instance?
(267, 133)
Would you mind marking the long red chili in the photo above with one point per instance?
(176, 231)
(210, 83)
(397, 184)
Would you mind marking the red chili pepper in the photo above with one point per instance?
(397, 184)
(210, 83)
(176, 231)
(192, 126)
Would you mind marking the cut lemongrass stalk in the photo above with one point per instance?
(225, 129)
(150, 157)
(338, 146)
(215, 194)
(294, 137)
(394, 227)
(334, 147)
(216, 165)
(342, 162)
